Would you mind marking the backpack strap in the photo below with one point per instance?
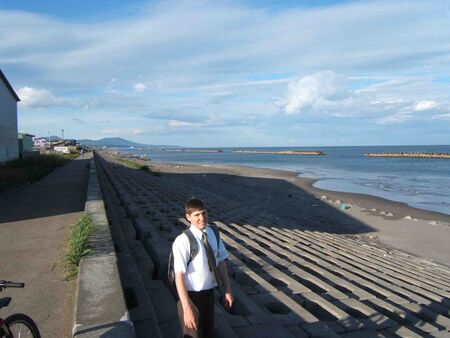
(215, 228)
(193, 250)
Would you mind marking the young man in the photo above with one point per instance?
(196, 281)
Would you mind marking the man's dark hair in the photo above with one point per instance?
(194, 204)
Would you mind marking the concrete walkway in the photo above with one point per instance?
(33, 225)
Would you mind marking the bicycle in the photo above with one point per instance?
(17, 325)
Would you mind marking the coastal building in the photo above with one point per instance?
(25, 144)
(40, 142)
(9, 146)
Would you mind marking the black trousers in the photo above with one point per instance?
(204, 306)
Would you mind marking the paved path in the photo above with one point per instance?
(33, 225)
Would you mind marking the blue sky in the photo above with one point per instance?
(231, 73)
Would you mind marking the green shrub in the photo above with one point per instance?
(144, 168)
(75, 245)
(30, 169)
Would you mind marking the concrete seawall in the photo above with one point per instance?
(289, 281)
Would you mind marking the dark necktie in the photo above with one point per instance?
(211, 259)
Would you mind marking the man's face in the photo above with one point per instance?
(198, 218)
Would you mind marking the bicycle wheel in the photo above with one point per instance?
(22, 326)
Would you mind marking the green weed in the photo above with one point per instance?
(76, 245)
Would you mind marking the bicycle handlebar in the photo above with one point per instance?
(9, 284)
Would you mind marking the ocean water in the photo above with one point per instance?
(421, 183)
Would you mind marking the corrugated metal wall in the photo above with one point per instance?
(9, 146)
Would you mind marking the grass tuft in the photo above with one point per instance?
(136, 164)
(76, 245)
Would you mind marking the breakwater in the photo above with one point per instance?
(409, 155)
(195, 150)
(287, 152)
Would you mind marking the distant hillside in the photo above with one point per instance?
(111, 142)
(116, 142)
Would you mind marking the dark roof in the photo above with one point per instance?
(5, 80)
(25, 134)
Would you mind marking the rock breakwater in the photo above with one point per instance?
(410, 155)
(287, 152)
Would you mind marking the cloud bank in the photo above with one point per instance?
(234, 69)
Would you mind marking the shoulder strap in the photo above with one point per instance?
(192, 245)
(215, 228)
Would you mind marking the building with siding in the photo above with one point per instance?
(25, 145)
(9, 145)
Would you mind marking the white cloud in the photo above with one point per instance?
(239, 57)
(40, 98)
(425, 105)
(396, 118)
(179, 124)
(314, 89)
(139, 87)
(137, 131)
(443, 117)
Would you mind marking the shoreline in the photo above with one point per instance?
(283, 193)
(307, 182)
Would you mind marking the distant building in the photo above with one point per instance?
(9, 147)
(64, 150)
(25, 144)
(40, 142)
(70, 142)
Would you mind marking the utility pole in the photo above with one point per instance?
(62, 132)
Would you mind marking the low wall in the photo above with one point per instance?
(100, 309)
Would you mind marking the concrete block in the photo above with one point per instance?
(170, 328)
(145, 229)
(246, 307)
(320, 329)
(159, 251)
(122, 329)
(371, 318)
(283, 309)
(232, 319)
(297, 332)
(263, 331)
(133, 210)
(363, 333)
(142, 259)
(401, 316)
(427, 314)
(99, 298)
(403, 331)
(222, 329)
(315, 303)
(164, 304)
(147, 328)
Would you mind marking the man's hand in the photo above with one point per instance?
(228, 300)
(190, 317)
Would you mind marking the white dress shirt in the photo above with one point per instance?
(197, 275)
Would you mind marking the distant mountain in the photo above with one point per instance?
(116, 142)
(111, 142)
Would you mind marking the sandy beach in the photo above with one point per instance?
(283, 194)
